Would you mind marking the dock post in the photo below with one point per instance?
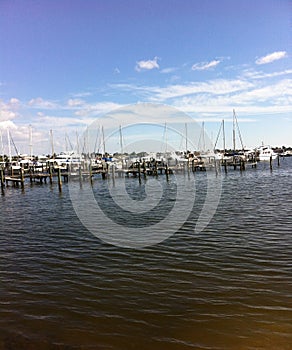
(271, 162)
(155, 168)
(144, 169)
(30, 174)
(166, 172)
(22, 178)
(113, 173)
(2, 177)
(80, 174)
(90, 172)
(51, 173)
(59, 179)
(139, 172)
(278, 160)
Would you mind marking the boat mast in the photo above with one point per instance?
(2, 146)
(203, 137)
(234, 131)
(103, 140)
(52, 143)
(30, 141)
(77, 144)
(186, 129)
(239, 133)
(9, 145)
(223, 129)
(121, 140)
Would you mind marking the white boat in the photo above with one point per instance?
(265, 153)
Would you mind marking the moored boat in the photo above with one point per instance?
(265, 153)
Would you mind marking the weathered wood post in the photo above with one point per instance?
(80, 174)
(139, 171)
(22, 178)
(144, 169)
(2, 179)
(278, 160)
(51, 173)
(113, 173)
(59, 179)
(225, 165)
(90, 172)
(166, 172)
(155, 168)
(271, 162)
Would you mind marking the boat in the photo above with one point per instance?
(265, 152)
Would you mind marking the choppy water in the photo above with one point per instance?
(228, 287)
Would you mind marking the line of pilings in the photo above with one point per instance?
(107, 171)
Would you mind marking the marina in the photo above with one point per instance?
(226, 287)
(18, 173)
(145, 175)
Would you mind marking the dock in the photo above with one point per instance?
(138, 169)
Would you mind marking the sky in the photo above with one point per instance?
(65, 64)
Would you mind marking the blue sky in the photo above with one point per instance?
(64, 63)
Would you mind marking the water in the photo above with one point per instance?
(228, 287)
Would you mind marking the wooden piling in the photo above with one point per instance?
(2, 179)
(278, 160)
(271, 162)
(59, 179)
(139, 172)
(90, 173)
(51, 173)
(113, 173)
(166, 172)
(22, 178)
(80, 174)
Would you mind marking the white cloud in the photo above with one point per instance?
(147, 65)
(97, 109)
(271, 57)
(219, 96)
(205, 65)
(168, 70)
(41, 103)
(162, 94)
(14, 101)
(216, 87)
(7, 124)
(252, 74)
(8, 110)
(75, 102)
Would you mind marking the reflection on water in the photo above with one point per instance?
(225, 288)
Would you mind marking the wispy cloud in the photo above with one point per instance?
(168, 70)
(249, 96)
(252, 74)
(216, 87)
(93, 110)
(41, 103)
(205, 65)
(75, 102)
(8, 110)
(271, 57)
(166, 94)
(147, 65)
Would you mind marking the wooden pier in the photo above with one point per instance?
(138, 169)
